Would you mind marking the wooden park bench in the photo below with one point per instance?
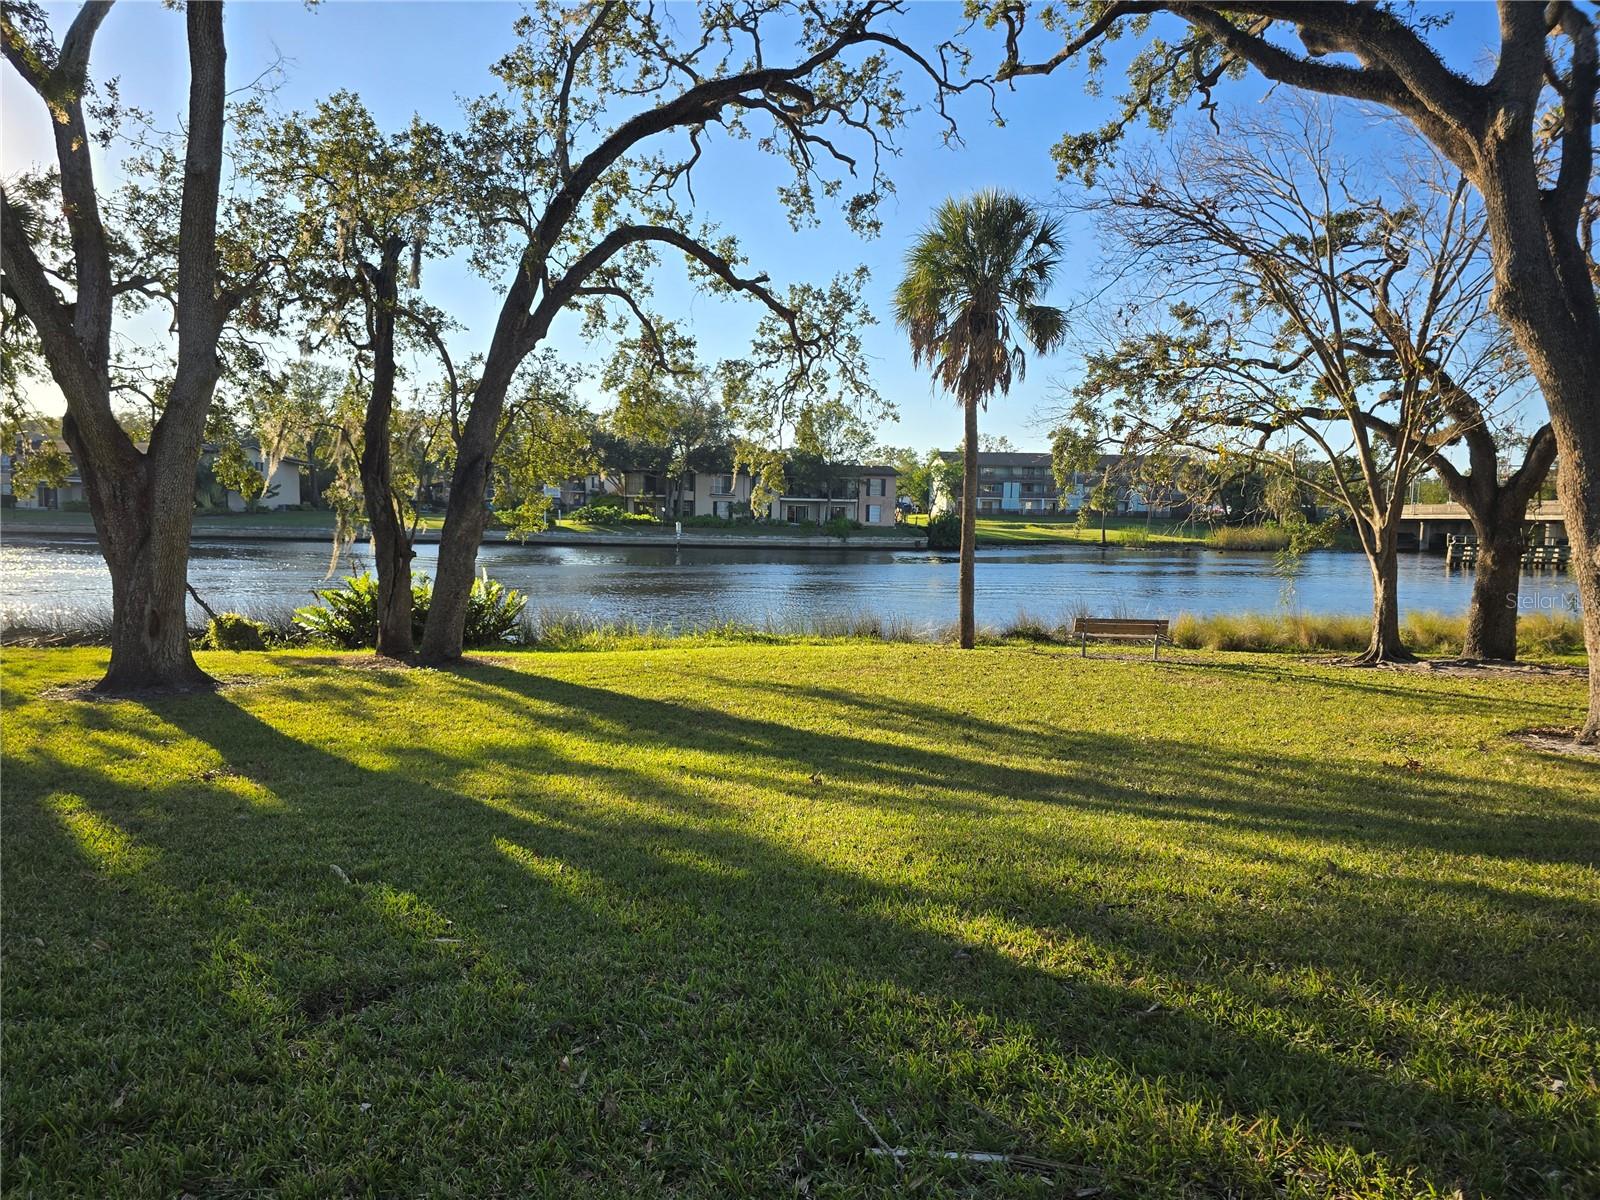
(1120, 629)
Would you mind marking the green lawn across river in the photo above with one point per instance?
(996, 531)
(726, 920)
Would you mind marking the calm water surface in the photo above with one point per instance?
(61, 578)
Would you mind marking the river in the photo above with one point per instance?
(57, 579)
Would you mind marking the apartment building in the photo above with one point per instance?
(704, 493)
(864, 494)
(282, 487)
(1023, 483)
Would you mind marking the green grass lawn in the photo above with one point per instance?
(1000, 531)
(763, 529)
(676, 921)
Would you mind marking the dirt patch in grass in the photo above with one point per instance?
(1462, 667)
(85, 692)
(354, 661)
(1556, 740)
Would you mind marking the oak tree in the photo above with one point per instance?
(1288, 299)
(584, 172)
(71, 266)
(1523, 135)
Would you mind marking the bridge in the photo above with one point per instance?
(1429, 526)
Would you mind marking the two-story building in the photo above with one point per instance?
(1023, 483)
(282, 487)
(283, 481)
(704, 493)
(863, 494)
(1019, 482)
(42, 496)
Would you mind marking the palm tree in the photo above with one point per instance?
(970, 300)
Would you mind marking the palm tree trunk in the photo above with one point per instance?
(969, 527)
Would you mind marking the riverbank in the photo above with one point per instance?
(713, 921)
(1551, 638)
(1130, 532)
(992, 532)
(300, 526)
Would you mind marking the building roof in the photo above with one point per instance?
(1003, 458)
(1022, 458)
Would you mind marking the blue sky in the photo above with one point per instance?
(422, 57)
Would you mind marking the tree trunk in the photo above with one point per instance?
(391, 545)
(464, 521)
(969, 528)
(142, 503)
(1496, 578)
(143, 531)
(1568, 372)
(1544, 294)
(1578, 487)
(1385, 644)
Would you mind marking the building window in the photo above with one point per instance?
(722, 508)
(875, 485)
(722, 485)
(874, 514)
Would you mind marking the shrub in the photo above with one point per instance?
(608, 510)
(494, 613)
(1271, 631)
(1544, 633)
(944, 531)
(348, 615)
(1248, 537)
(234, 631)
(74, 506)
(840, 527)
(742, 520)
(1538, 634)
(1433, 633)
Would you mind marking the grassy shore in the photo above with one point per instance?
(732, 529)
(992, 531)
(725, 921)
(320, 521)
(1541, 636)
(1122, 531)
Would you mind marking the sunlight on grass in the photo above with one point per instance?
(570, 881)
(101, 842)
(1228, 924)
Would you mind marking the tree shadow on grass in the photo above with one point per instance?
(547, 898)
(1368, 682)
